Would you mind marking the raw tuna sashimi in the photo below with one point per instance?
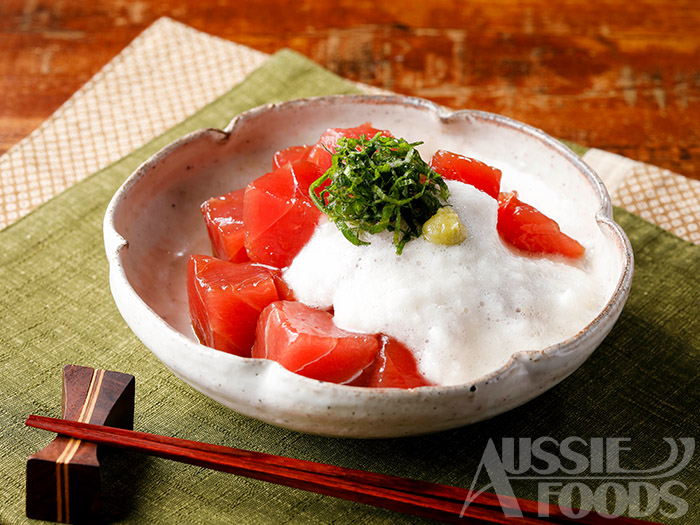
(306, 341)
(225, 300)
(321, 152)
(223, 217)
(527, 228)
(470, 171)
(278, 215)
(289, 154)
(395, 367)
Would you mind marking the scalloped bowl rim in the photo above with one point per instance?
(115, 244)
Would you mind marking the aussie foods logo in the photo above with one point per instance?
(585, 475)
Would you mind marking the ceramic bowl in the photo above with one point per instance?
(153, 223)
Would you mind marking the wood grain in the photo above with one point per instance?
(63, 479)
(617, 75)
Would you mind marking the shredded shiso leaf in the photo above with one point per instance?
(376, 184)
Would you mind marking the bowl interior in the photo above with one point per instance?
(154, 223)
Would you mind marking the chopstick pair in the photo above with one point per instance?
(419, 498)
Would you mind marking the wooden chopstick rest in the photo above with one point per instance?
(63, 479)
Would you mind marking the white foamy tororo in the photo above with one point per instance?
(464, 309)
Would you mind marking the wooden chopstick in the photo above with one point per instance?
(419, 498)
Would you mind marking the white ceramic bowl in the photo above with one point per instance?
(153, 223)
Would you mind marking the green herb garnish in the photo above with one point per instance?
(379, 184)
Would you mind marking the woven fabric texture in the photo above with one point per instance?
(167, 73)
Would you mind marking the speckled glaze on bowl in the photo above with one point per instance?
(153, 223)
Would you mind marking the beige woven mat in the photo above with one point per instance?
(172, 70)
(166, 74)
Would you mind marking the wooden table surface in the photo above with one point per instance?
(620, 75)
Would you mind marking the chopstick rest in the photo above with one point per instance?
(63, 479)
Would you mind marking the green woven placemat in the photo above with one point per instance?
(640, 385)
